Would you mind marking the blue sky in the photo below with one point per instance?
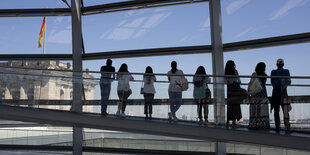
(182, 25)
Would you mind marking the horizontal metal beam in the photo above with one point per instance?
(229, 47)
(105, 8)
(35, 12)
(54, 117)
(291, 99)
(267, 42)
(134, 5)
(98, 149)
(149, 52)
(10, 57)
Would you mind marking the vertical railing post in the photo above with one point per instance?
(77, 74)
(218, 68)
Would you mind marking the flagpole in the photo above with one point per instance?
(44, 43)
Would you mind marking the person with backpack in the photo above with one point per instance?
(259, 113)
(201, 93)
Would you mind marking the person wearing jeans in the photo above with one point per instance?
(175, 92)
(279, 95)
(123, 88)
(105, 84)
(148, 91)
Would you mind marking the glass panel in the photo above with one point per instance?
(21, 35)
(100, 2)
(240, 148)
(125, 140)
(246, 62)
(183, 25)
(254, 19)
(23, 135)
(32, 4)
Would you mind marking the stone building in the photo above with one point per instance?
(25, 80)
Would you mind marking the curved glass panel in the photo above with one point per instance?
(20, 35)
(254, 19)
(183, 25)
(32, 4)
(100, 2)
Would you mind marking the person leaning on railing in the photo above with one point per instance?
(200, 93)
(105, 85)
(148, 92)
(123, 88)
(259, 113)
(175, 90)
(233, 95)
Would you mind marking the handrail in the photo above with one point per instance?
(163, 74)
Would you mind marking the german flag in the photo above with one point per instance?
(41, 31)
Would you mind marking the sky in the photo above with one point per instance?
(173, 26)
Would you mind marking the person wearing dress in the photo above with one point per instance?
(233, 99)
(259, 112)
(201, 97)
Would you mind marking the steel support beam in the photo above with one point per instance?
(218, 68)
(134, 5)
(217, 61)
(35, 12)
(77, 75)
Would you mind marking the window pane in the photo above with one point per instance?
(183, 25)
(20, 35)
(31, 4)
(100, 2)
(254, 19)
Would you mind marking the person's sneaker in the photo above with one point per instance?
(150, 116)
(170, 116)
(123, 114)
(175, 118)
(200, 122)
(205, 122)
(117, 113)
(104, 114)
(287, 129)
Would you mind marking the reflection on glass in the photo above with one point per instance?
(245, 20)
(183, 25)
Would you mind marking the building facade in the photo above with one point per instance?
(31, 80)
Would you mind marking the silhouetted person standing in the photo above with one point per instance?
(175, 92)
(148, 92)
(233, 99)
(123, 89)
(105, 85)
(279, 95)
(201, 97)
